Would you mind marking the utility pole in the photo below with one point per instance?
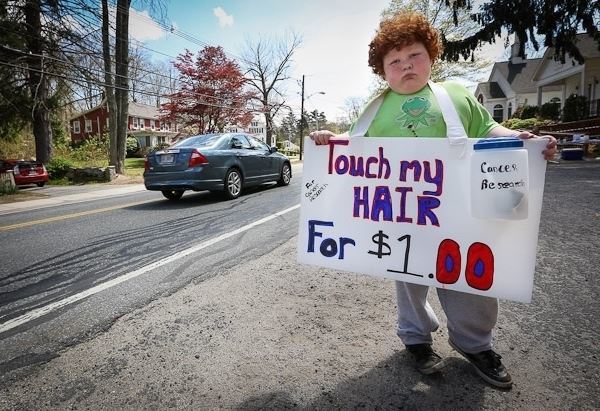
(302, 121)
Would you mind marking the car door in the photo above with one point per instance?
(268, 165)
(246, 156)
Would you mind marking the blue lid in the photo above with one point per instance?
(498, 142)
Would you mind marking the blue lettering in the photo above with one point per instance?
(425, 206)
(328, 247)
(382, 203)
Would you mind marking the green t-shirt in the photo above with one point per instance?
(419, 115)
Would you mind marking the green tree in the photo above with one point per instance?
(315, 120)
(557, 21)
(29, 85)
(289, 127)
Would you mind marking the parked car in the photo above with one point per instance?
(224, 162)
(26, 172)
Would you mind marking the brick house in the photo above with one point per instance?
(143, 124)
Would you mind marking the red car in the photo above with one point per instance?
(26, 172)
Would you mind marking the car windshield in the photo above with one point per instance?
(199, 141)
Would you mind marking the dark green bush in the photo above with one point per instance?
(575, 108)
(60, 135)
(59, 167)
(528, 112)
(550, 111)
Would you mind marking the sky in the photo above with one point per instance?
(332, 57)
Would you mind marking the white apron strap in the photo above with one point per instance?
(454, 128)
(366, 117)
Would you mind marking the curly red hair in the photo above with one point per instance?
(399, 31)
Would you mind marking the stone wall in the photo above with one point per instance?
(89, 174)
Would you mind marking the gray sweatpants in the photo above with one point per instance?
(471, 318)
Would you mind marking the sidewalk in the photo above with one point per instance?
(87, 194)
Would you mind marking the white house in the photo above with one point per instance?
(287, 145)
(533, 82)
(257, 128)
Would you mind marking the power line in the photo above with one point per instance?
(172, 97)
(175, 31)
(102, 71)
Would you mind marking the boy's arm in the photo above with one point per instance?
(501, 131)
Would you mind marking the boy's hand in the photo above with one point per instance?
(321, 137)
(551, 147)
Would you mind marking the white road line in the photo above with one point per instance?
(32, 315)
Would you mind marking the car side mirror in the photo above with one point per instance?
(273, 149)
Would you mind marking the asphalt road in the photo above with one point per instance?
(272, 334)
(52, 253)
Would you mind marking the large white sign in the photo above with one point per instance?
(401, 208)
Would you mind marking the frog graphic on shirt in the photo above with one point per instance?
(415, 113)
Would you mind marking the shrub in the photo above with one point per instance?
(60, 135)
(575, 108)
(59, 167)
(525, 123)
(93, 151)
(527, 112)
(550, 111)
(133, 146)
(522, 124)
(7, 188)
(22, 146)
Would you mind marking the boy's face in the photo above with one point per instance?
(407, 70)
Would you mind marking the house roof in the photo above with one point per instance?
(134, 110)
(519, 76)
(83, 113)
(491, 89)
(142, 110)
(587, 46)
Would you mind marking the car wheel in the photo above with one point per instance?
(41, 184)
(233, 184)
(286, 175)
(172, 194)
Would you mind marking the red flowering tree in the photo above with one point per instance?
(212, 92)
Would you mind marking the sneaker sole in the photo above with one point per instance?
(485, 377)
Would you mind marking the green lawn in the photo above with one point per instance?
(134, 167)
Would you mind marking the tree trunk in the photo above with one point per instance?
(269, 128)
(121, 80)
(109, 88)
(38, 83)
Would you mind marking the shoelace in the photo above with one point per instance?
(493, 358)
